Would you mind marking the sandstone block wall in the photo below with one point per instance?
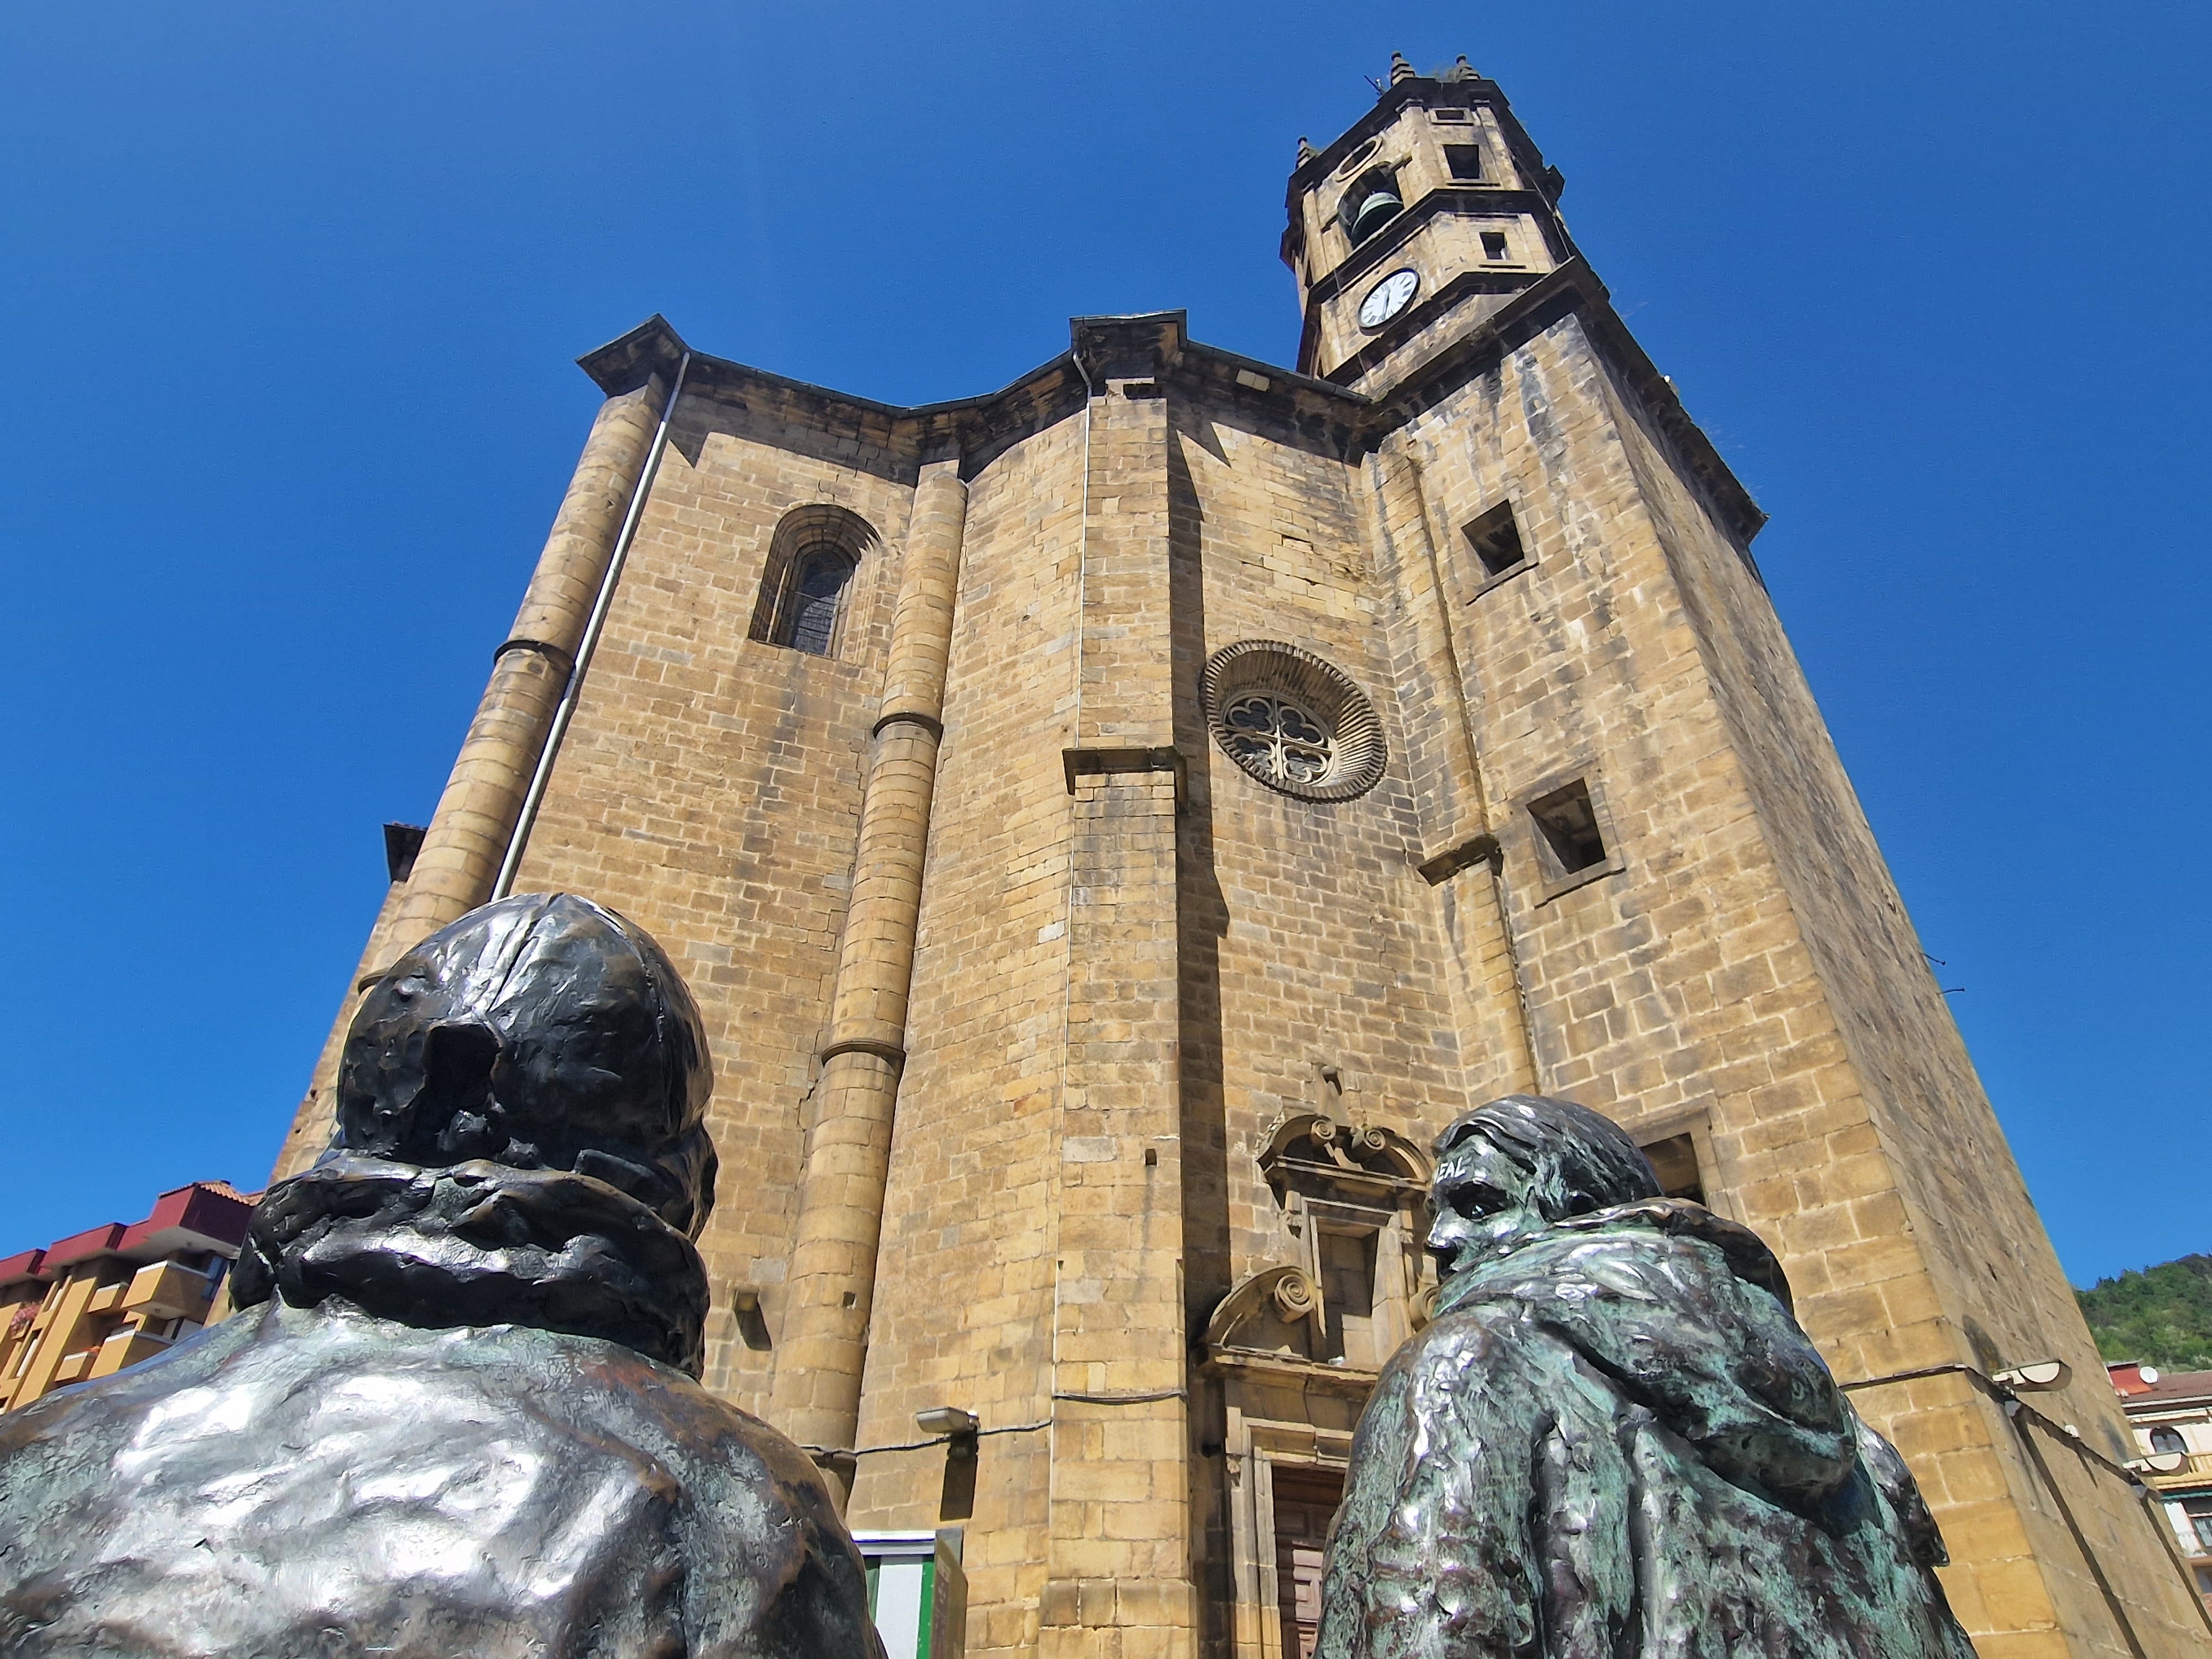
(1132, 960)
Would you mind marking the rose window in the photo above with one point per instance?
(1293, 721)
(1274, 737)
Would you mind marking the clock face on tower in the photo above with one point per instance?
(1389, 297)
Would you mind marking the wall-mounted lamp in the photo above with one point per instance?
(962, 1432)
(960, 1428)
(2040, 1377)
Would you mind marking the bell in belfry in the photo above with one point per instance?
(1377, 209)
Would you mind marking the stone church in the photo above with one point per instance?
(1113, 823)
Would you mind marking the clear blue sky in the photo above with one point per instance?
(295, 291)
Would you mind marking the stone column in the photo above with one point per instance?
(823, 1345)
(1118, 1555)
(468, 835)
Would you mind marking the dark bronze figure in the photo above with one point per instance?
(1614, 1439)
(457, 1412)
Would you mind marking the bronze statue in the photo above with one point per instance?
(1614, 1439)
(456, 1411)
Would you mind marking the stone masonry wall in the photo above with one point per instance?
(964, 1292)
(1678, 988)
(2001, 1296)
(1310, 938)
(1133, 958)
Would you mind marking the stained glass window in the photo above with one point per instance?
(1280, 739)
(810, 609)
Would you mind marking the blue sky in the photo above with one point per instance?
(294, 293)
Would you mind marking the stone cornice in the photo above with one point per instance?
(1322, 414)
(1477, 200)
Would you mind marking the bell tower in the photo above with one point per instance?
(1426, 217)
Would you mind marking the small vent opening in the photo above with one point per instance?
(1674, 1161)
(1496, 539)
(1568, 823)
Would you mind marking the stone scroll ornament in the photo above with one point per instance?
(1614, 1439)
(456, 1411)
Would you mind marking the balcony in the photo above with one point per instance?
(126, 1347)
(167, 1290)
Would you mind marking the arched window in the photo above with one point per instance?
(806, 619)
(807, 579)
(2168, 1440)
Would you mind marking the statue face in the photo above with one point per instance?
(1484, 1200)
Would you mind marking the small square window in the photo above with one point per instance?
(1465, 161)
(1496, 539)
(1452, 114)
(1493, 245)
(1568, 823)
(1674, 1161)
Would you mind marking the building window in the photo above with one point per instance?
(1674, 1161)
(1493, 245)
(1293, 721)
(1357, 156)
(1496, 539)
(2168, 1440)
(1346, 1258)
(1353, 1198)
(2199, 1511)
(1278, 741)
(806, 581)
(1566, 824)
(814, 592)
(1465, 161)
(1451, 115)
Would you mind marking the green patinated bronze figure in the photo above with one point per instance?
(1614, 1439)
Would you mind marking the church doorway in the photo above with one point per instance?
(1306, 1503)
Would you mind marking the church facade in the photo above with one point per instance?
(1113, 824)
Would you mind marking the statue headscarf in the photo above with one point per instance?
(521, 1138)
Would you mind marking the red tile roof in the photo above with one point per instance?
(203, 1215)
(2172, 1389)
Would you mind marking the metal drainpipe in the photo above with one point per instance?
(563, 714)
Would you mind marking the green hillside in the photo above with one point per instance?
(2161, 1316)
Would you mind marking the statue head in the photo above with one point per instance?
(521, 1139)
(1519, 1165)
(542, 1032)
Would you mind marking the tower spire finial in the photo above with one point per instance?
(1306, 151)
(1399, 69)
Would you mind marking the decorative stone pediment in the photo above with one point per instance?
(1270, 1312)
(1324, 1158)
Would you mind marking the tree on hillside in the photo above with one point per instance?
(2161, 1316)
